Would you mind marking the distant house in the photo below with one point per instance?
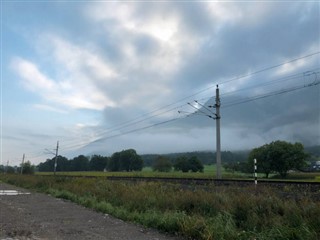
(316, 166)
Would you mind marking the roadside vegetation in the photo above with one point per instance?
(211, 212)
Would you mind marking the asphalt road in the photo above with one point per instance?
(35, 216)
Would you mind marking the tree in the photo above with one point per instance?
(63, 164)
(195, 164)
(46, 166)
(98, 163)
(262, 154)
(80, 163)
(278, 156)
(126, 160)
(10, 169)
(181, 164)
(286, 156)
(27, 168)
(185, 165)
(162, 164)
(130, 160)
(114, 162)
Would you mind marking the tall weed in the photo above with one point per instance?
(198, 213)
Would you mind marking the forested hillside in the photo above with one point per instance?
(206, 157)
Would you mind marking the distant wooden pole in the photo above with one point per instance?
(55, 159)
(22, 163)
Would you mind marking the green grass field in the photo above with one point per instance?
(209, 172)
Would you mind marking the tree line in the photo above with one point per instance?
(126, 160)
(276, 157)
(25, 168)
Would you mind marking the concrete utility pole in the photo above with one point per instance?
(216, 116)
(218, 153)
(55, 159)
(22, 163)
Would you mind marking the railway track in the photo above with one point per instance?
(307, 185)
(310, 187)
(204, 181)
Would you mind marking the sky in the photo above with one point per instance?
(103, 76)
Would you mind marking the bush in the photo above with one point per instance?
(27, 168)
(162, 164)
(185, 165)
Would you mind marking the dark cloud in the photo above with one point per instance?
(195, 18)
(243, 46)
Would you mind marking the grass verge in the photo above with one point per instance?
(196, 213)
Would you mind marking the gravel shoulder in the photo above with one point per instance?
(37, 216)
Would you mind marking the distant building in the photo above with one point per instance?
(316, 166)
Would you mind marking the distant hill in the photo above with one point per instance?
(206, 157)
(313, 150)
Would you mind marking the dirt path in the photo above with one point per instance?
(39, 216)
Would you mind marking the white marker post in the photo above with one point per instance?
(255, 173)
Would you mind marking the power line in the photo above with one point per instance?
(126, 125)
(279, 80)
(269, 68)
(131, 123)
(104, 133)
(279, 92)
(141, 118)
(303, 74)
(137, 129)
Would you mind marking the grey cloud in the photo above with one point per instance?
(145, 45)
(117, 116)
(195, 17)
(238, 48)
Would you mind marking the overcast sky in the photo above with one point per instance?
(91, 74)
